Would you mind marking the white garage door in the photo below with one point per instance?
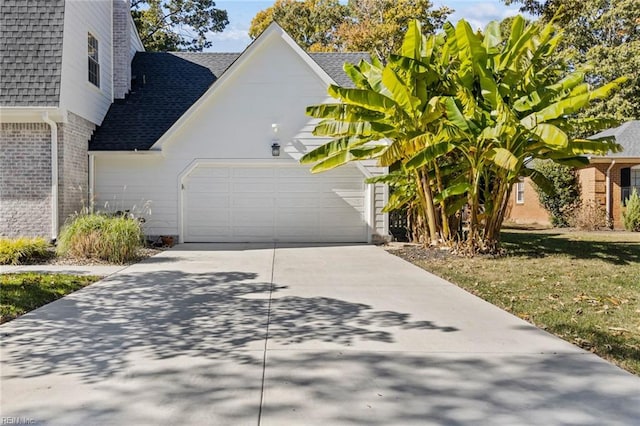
(274, 203)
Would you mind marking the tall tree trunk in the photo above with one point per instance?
(444, 227)
(427, 198)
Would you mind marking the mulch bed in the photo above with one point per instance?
(414, 252)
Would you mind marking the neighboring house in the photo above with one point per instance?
(607, 181)
(204, 146)
(62, 65)
(610, 179)
(524, 205)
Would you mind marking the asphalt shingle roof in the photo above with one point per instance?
(332, 64)
(627, 135)
(30, 52)
(167, 84)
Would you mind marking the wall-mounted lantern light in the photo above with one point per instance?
(275, 143)
(275, 149)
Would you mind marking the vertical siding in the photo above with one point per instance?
(77, 94)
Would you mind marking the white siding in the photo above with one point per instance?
(272, 85)
(135, 44)
(77, 94)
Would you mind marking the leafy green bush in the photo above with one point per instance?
(567, 191)
(631, 216)
(115, 239)
(16, 251)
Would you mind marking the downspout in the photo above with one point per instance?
(608, 193)
(92, 182)
(54, 174)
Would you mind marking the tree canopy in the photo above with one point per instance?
(374, 26)
(458, 116)
(168, 25)
(603, 35)
(311, 23)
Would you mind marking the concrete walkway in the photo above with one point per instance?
(327, 335)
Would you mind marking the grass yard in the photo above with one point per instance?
(21, 293)
(583, 287)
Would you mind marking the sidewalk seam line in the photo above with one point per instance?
(266, 337)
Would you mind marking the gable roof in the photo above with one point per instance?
(166, 85)
(30, 52)
(627, 135)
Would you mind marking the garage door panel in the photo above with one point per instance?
(273, 203)
(252, 201)
(203, 186)
(253, 172)
(209, 201)
(253, 187)
(289, 219)
(304, 201)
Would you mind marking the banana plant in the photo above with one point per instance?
(513, 103)
(459, 115)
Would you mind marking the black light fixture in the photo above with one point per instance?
(275, 149)
(275, 144)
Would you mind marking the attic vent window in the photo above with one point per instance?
(94, 64)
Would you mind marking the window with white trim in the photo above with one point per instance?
(520, 191)
(94, 62)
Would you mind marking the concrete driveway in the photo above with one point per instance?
(330, 335)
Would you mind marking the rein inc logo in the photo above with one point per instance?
(17, 421)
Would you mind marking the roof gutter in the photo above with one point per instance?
(608, 193)
(54, 174)
(134, 152)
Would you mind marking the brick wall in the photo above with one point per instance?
(531, 211)
(25, 175)
(25, 180)
(121, 60)
(73, 163)
(593, 184)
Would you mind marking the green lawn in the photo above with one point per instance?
(583, 287)
(21, 293)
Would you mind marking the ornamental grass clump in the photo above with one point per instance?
(17, 251)
(115, 239)
(631, 216)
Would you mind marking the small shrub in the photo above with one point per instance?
(16, 251)
(631, 216)
(115, 239)
(567, 191)
(588, 216)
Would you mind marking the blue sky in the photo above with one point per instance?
(235, 37)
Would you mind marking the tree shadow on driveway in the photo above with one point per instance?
(170, 347)
(166, 314)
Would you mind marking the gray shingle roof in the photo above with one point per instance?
(30, 52)
(332, 64)
(627, 135)
(167, 84)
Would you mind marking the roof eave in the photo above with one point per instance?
(31, 114)
(605, 160)
(147, 152)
